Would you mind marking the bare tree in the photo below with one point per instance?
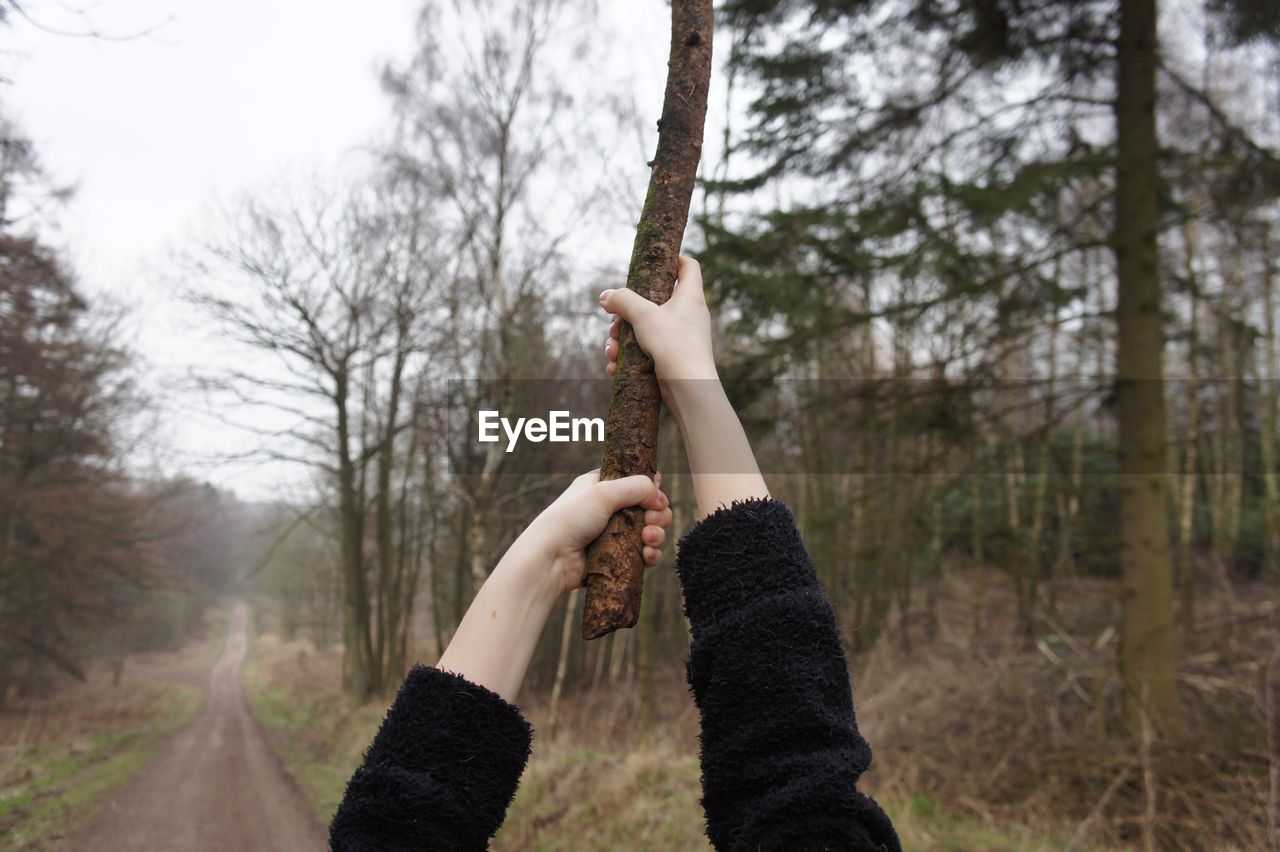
(340, 292)
(481, 124)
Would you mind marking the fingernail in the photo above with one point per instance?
(605, 295)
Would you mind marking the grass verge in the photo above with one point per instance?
(48, 791)
(924, 825)
(319, 734)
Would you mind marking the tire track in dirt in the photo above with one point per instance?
(214, 785)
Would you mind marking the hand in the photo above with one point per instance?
(676, 335)
(495, 641)
(579, 515)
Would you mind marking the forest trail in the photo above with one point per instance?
(214, 785)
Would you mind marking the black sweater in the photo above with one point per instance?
(781, 752)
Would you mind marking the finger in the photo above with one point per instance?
(657, 502)
(611, 367)
(615, 494)
(615, 327)
(585, 480)
(628, 304)
(652, 555)
(688, 280)
(611, 349)
(658, 518)
(653, 536)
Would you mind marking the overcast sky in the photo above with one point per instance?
(219, 98)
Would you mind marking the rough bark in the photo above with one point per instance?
(1147, 641)
(615, 563)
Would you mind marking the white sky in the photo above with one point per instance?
(222, 97)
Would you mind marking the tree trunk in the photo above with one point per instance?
(1147, 661)
(1226, 445)
(977, 536)
(478, 543)
(387, 592)
(1069, 498)
(868, 605)
(350, 511)
(615, 563)
(936, 544)
(562, 664)
(1267, 399)
(1271, 698)
(1190, 474)
(646, 664)
(1040, 501)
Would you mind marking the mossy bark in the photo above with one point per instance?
(615, 561)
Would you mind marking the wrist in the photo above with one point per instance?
(690, 369)
(691, 400)
(531, 568)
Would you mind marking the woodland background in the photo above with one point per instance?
(907, 218)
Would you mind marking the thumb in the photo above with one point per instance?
(628, 304)
(615, 494)
(689, 280)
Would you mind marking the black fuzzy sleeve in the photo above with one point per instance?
(440, 773)
(781, 752)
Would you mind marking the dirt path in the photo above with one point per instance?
(215, 785)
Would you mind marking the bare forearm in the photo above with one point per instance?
(496, 639)
(723, 466)
(677, 335)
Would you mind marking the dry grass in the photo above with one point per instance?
(1006, 731)
(581, 797)
(596, 783)
(993, 744)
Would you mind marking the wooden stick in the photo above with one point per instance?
(615, 561)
